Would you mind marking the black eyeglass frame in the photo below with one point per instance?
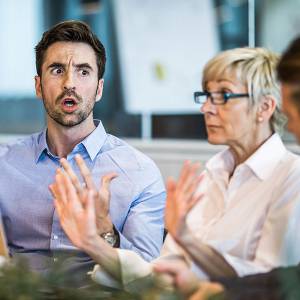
(226, 97)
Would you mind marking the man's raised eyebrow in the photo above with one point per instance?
(83, 65)
(78, 66)
(56, 65)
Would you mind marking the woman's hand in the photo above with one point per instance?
(181, 198)
(179, 274)
(186, 282)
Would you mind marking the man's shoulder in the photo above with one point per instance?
(20, 146)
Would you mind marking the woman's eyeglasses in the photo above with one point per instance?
(217, 98)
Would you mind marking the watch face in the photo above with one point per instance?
(110, 238)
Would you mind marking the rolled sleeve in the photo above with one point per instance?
(143, 229)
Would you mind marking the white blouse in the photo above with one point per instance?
(252, 218)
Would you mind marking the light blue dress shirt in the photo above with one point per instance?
(30, 221)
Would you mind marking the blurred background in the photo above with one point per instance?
(156, 50)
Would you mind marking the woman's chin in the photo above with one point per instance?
(216, 140)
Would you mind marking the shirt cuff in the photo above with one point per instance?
(132, 266)
(3, 261)
(100, 276)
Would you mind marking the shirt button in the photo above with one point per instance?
(55, 237)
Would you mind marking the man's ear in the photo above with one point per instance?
(99, 89)
(266, 108)
(38, 86)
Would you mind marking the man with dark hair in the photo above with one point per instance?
(70, 62)
(281, 283)
(70, 31)
(289, 75)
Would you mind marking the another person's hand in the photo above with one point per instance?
(181, 198)
(186, 282)
(207, 290)
(180, 276)
(102, 196)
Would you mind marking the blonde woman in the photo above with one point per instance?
(280, 283)
(249, 192)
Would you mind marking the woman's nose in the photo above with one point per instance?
(208, 107)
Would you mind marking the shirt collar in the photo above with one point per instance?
(92, 143)
(41, 145)
(222, 161)
(262, 162)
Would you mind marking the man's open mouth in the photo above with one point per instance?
(69, 102)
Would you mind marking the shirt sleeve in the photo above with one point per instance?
(133, 269)
(140, 195)
(143, 229)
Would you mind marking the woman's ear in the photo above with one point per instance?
(266, 108)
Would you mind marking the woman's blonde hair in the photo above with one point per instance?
(256, 69)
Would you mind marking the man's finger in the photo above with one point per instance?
(85, 172)
(53, 189)
(90, 206)
(74, 179)
(61, 194)
(106, 179)
(74, 199)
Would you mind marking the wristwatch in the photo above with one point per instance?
(110, 237)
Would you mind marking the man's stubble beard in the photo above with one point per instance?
(60, 117)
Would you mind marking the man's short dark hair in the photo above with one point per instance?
(70, 31)
(288, 68)
(289, 65)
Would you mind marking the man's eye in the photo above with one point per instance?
(57, 71)
(84, 72)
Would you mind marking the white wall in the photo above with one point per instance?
(19, 33)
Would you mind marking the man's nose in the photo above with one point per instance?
(69, 83)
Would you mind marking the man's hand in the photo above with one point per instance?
(76, 209)
(76, 214)
(181, 198)
(101, 196)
